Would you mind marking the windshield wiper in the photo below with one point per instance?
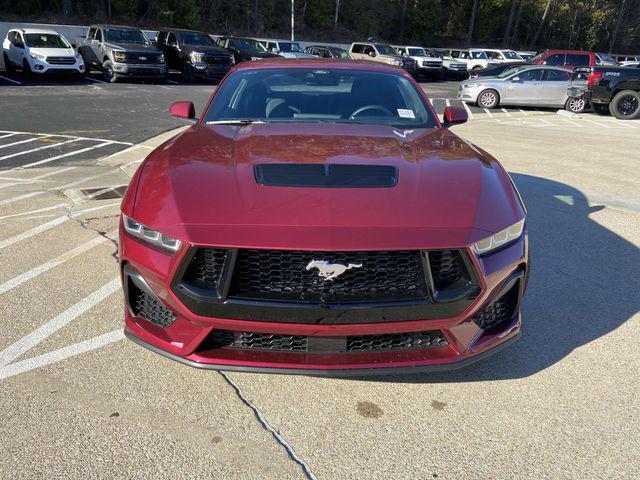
(244, 121)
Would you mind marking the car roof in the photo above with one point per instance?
(567, 51)
(37, 30)
(318, 62)
(326, 46)
(182, 30)
(119, 27)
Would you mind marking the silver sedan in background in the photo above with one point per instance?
(530, 85)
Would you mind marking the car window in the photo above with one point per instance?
(455, 53)
(290, 47)
(478, 54)
(98, 36)
(417, 52)
(557, 76)
(464, 55)
(117, 35)
(555, 59)
(385, 49)
(368, 49)
(11, 36)
(91, 34)
(162, 37)
(577, 60)
(46, 40)
(195, 38)
(357, 48)
(339, 53)
(511, 55)
(510, 71)
(171, 39)
(531, 75)
(327, 95)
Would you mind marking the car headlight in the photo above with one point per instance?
(397, 63)
(499, 239)
(472, 85)
(161, 58)
(118, 56)
(150, 236)
(37, 56)
(233, 60)
(197, 57)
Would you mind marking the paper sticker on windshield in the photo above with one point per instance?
(405, 113)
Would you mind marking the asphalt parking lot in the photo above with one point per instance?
(78, 400)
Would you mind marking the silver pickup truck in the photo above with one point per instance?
(121, 52)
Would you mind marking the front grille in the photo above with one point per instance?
(299, 343)
(258, 341)
(217, 59)
(427, 63)
(500, 311)
(61, 60)
(395, 341)
(205, 268)
(145, 306)
(447, 267)
(142, 58)
(282, 275)
(408, 64)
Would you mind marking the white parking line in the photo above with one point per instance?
(19, 197)
(65, 155)
(83, 180)
(45, 267)
(31, 340)
(504, 110)
(49, 225)
(575, 124)
(25, 141)
(597, 123)
(60, 354)
(22, 181)
(172, 82)
(7, 135)
(523, 112)
(486, 110)
(545, 122)
(25, 152)
(466, 107)
(95, 80)
(447, 102)
(39, 210)
(10, 80)
(65, 136)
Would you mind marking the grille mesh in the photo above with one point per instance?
(395, 341)
(498, 312)
(150, 309)
(206, 267)
(282, 275)
(259, 341)
(61, 60)
(446, 268)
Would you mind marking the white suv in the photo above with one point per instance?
(40, 51)
(503, 56)
(475, 58)
(427, 63)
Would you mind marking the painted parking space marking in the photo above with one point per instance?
(33, 339)
(45, 147)
(466, 107)
(46, 266)
(57, 206)
(20, 142)
(504, 110)
(10, 80)
(19, 197)
(60, 354)
(86, 179)
(65, 155)
(21, 181)
(7, 135)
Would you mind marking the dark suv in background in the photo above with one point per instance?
(245, 48)
(195, 54)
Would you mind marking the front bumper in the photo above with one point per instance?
(141, 70)
(209, 71)
(187, 338)
(469, 94)
(43, 68)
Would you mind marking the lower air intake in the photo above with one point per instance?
(149, 308)
(500, 311)
(395, 341)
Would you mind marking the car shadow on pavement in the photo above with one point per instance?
(584, 284)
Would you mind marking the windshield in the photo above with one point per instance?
(339, 53)
(417, 52)
(195, 38)
(296, 95)
(125, 36)
(606, 58)
(247, 45)
(510, 71)
(290, 47)
(385, 49)
(511, 55)
(537, 57)
(45, 40)
(479, 54)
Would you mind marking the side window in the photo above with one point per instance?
(533, 75)
(557, 76)
(98, 35)
(464, 55)
(171, 39)
(325, 53)
(92, 33)
(368, 49)
(357, 48)
(556, 59)
(271, 46)
(11, 36)
(577, 60)
(162, 38)
(455, 53)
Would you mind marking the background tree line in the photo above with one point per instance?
(601, 25)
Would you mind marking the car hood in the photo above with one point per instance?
(296, 55)
(247, 54)
(133, 47)
(187, 48)
(200, 187)
(53, 52)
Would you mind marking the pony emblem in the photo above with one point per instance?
(328, 270)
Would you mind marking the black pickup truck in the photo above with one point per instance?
(121, 52)
(615, 90)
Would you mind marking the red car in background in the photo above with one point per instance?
(320, 219)
(566, 58)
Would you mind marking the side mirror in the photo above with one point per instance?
(454, 116)
(515, 79)
(18, 45)
(372, 54)
(183, 110)
(74, 46)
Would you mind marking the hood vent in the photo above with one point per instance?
(321, 175)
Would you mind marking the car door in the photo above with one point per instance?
(576, 60)
(554, 86)
(96, 46)
(357, 51)
(18, 49)
(171, 55)
(523, 88)
(554, 60)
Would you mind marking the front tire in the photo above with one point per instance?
(625, 105)
(488, 99)
(575, 105)
(600, 109)
(108, 74)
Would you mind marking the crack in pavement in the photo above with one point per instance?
(84, 223)
(267, 426)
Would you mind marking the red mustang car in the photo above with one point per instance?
(319, 218)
